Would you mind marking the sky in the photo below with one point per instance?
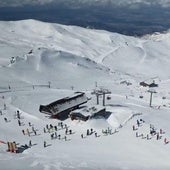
(10, 3)
(129, 17)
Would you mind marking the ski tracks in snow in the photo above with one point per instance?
(104, 56)
(140, 45)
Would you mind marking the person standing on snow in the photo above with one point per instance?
(65, 137)
(157, 136)
(137, 134)
(19, 122)
(165, 141)
(4, 106)
(82, 136)
(23, 131)
(45, 144)
(138, 123)
(55, 127)
(44, 130)
(161, 132)
(6, 120)
(18, 114)
(30, 143)
(55, 133)
(88, 132)
(28, 133)
(147, 136)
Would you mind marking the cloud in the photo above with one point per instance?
(15, 3)
(128, 3)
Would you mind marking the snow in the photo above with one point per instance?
(77, 59)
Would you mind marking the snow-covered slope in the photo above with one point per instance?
(93, 44)
(71, 58)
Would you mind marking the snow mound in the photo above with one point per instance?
(33, 27)
(119, 117)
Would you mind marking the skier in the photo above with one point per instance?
(147, 136)
(23, 131)
(55, 127)
(165, 141)
(51, 126)
(152, 131)
(82, 136)
(45, 144)
(137, 134)
(62, 125)
(59, 137)
(19, 122)
(28, 132)
(138, 123)
(91, 131)
(55, 135)
(52, 136)
(133, 127)
(157, 136)
(88, 133)
(161, 132)
(4, 106)
(44, 130)
(70, 131)
(18, 114)
(66, 131)
(30, 143)
(29, 123)
(6, 120)
(35, 133)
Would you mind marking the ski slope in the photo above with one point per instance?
(78, 59)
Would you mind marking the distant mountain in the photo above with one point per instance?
(125, 17)
(51, 52)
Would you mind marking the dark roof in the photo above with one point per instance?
(143, 84)
(153, 85)
(66, 99)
